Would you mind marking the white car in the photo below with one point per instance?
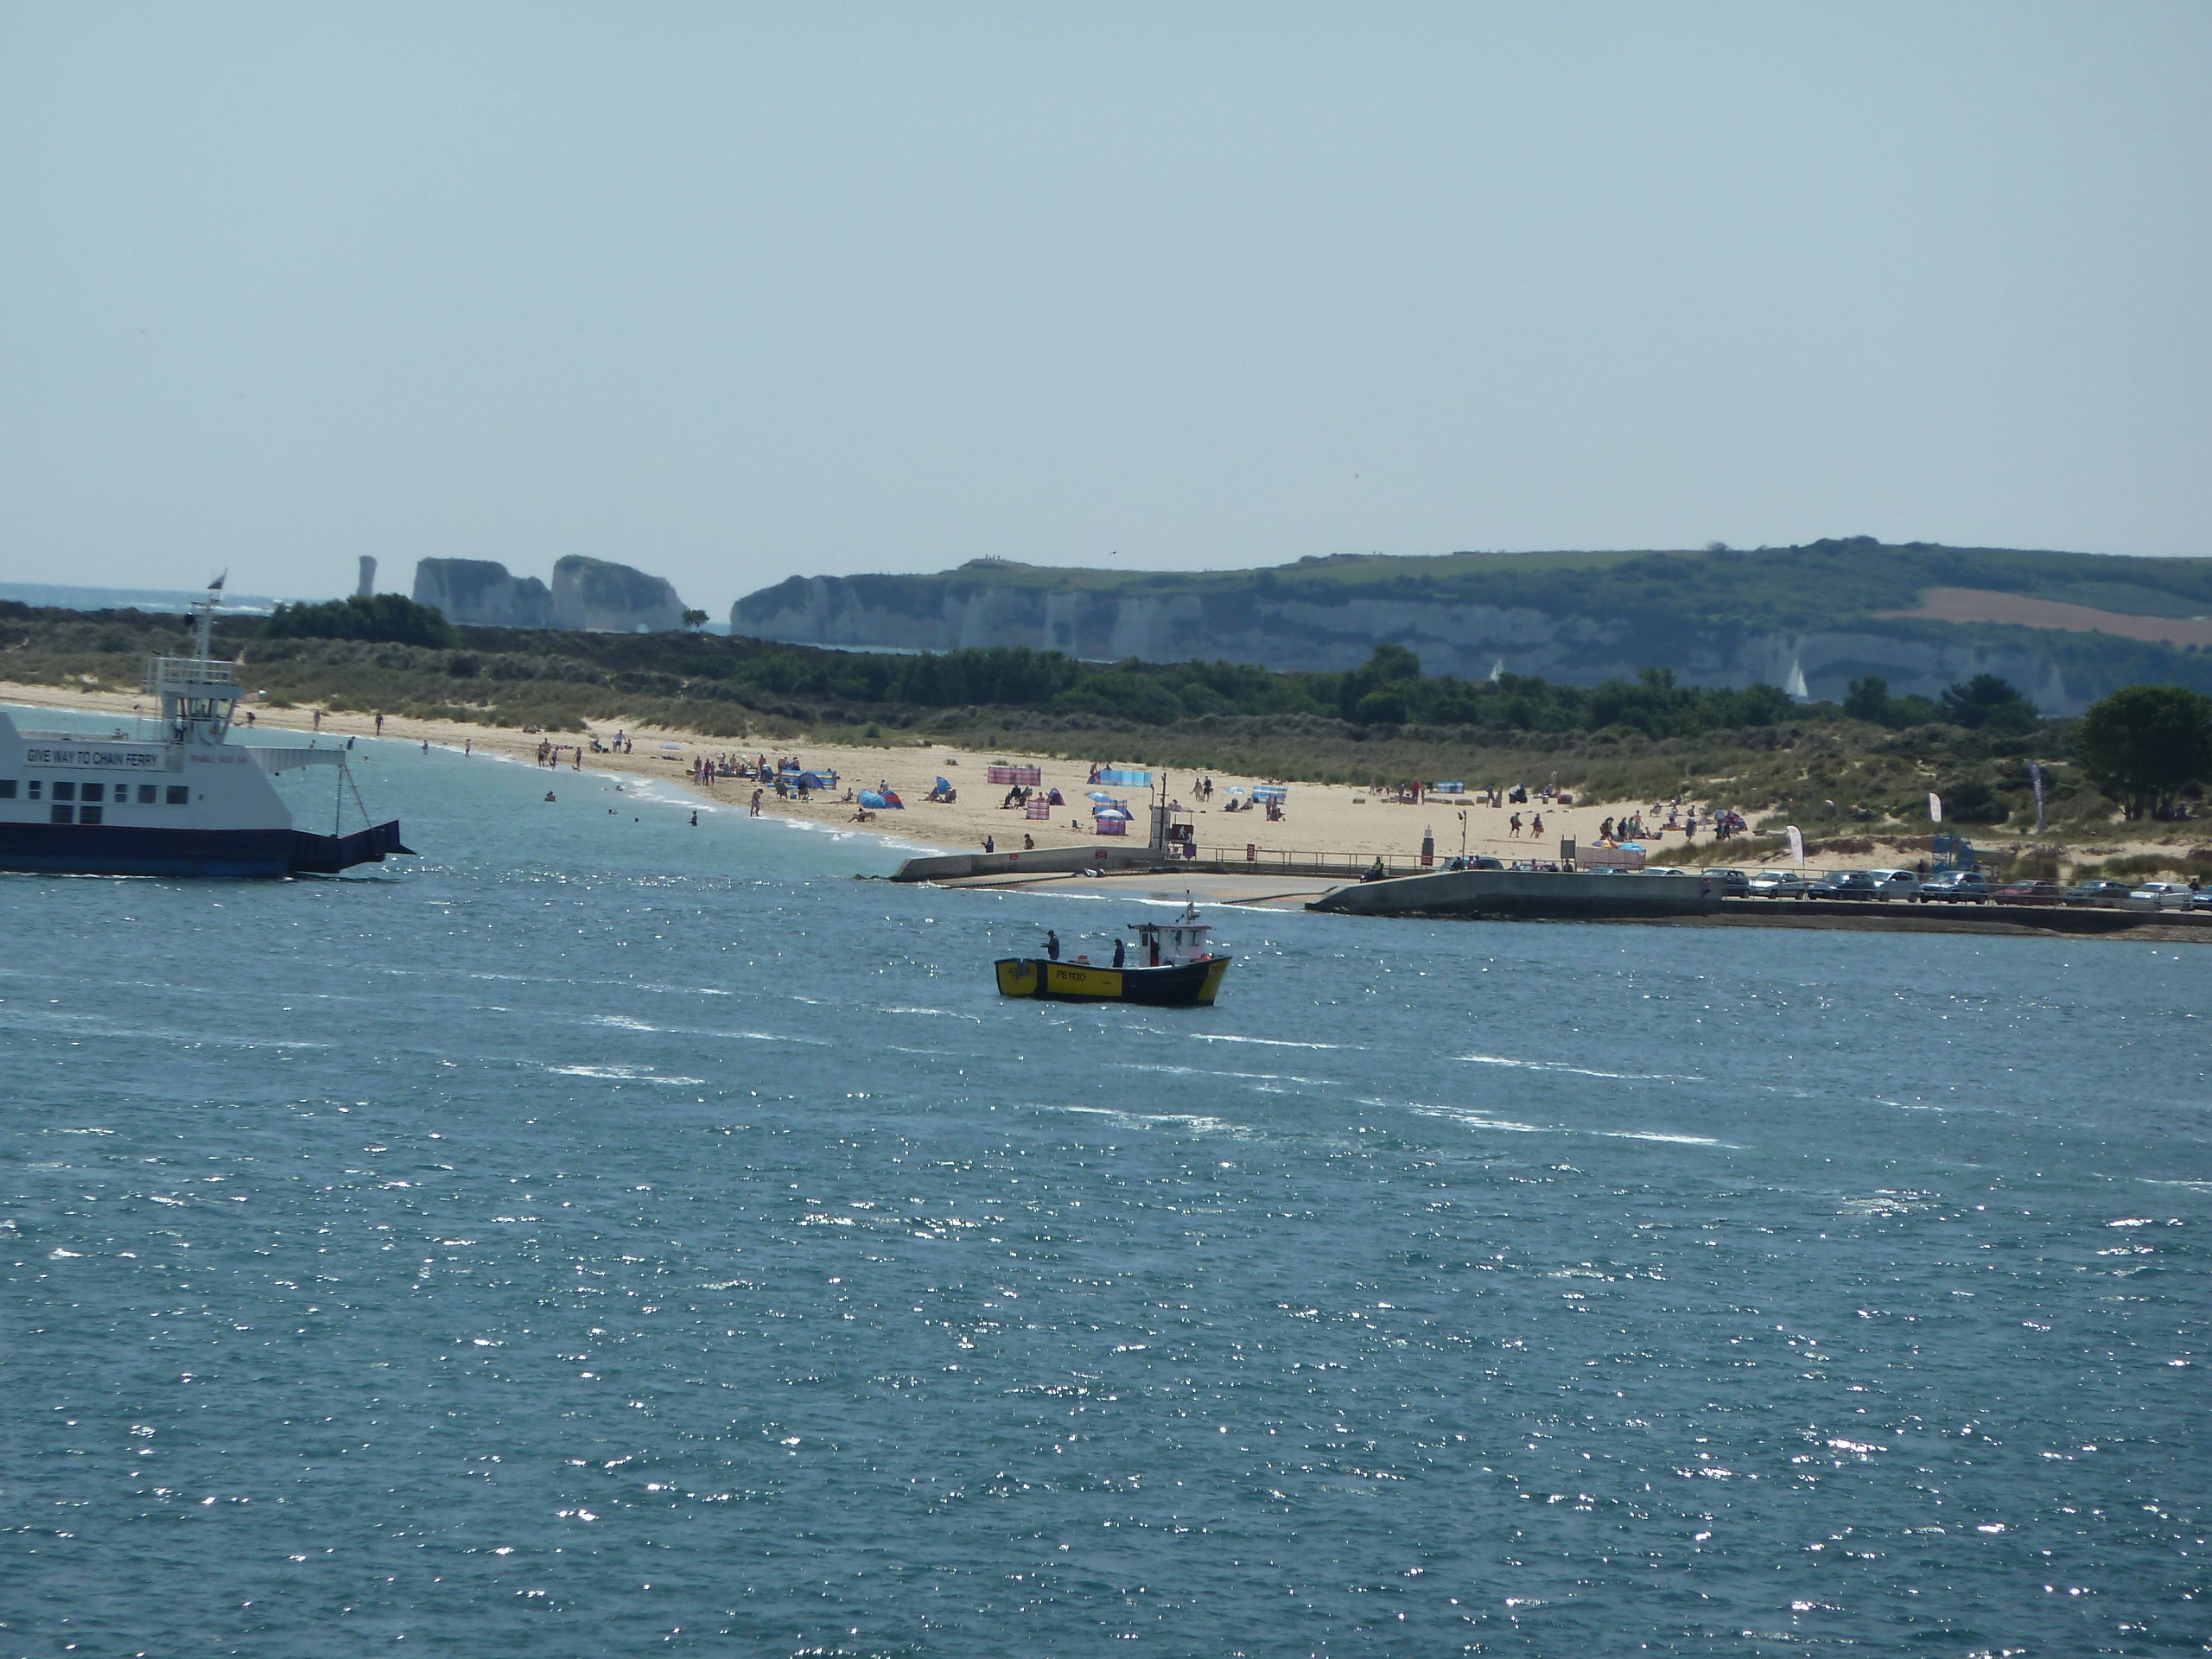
(1894, 884)
(2159, 895)
(1778, 884)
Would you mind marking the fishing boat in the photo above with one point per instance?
(1174, 966)
(181, 799)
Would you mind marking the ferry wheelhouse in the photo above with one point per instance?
(183, 799)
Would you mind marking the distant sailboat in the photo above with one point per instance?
(1497, 670)
(1795, 685)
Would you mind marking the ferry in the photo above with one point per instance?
(1179, 967)
(183, 799)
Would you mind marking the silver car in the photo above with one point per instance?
(1777, 884)
(1894, 884)
(2159, 895)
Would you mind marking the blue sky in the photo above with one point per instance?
(732, 293)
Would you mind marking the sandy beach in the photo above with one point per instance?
(1318, 818)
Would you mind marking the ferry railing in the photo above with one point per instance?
(178, 672)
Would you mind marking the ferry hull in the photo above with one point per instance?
(129, 850)
(1185, 984)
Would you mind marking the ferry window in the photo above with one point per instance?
(7, 789)
(88, 815)
(93, 792)
(36, 785)
(179, 794)
(146, 794)
(65, 791)
(63, 814)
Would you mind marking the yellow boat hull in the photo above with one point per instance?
(1183, 984)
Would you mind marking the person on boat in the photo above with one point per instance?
(1053, 943)
(1120, 951)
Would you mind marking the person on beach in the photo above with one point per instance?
(1537, 826)
(1513, 828)
(248, 718)
(990, 843)
(756, 802)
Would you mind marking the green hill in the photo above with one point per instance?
(1816, 616)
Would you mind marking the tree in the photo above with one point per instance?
(2145, 744)
(1988, 700)
(1868, 699)
(392, 619)
(1375, 693)
(694, 620)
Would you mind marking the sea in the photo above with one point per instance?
(603, 1234)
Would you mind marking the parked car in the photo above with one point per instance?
(2030, 892)
(2109, 894)
(2200, 899)
(2159, 895)
(1778, 884)
(1955, 887)
(1729, 883)
(1663, 869)
(1843, 884)
(1894, 884)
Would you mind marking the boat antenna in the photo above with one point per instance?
(206, 612)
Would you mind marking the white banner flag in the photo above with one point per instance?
(1935, 807)
(1797, 845)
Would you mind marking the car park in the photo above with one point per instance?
(1894, 884)
(1955, 887)
(1777, 884)
(2030, 892)
(2159, 895)
(1843, 884)
(2108, 894)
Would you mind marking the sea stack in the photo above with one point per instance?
(479, 593)
(593, 595)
